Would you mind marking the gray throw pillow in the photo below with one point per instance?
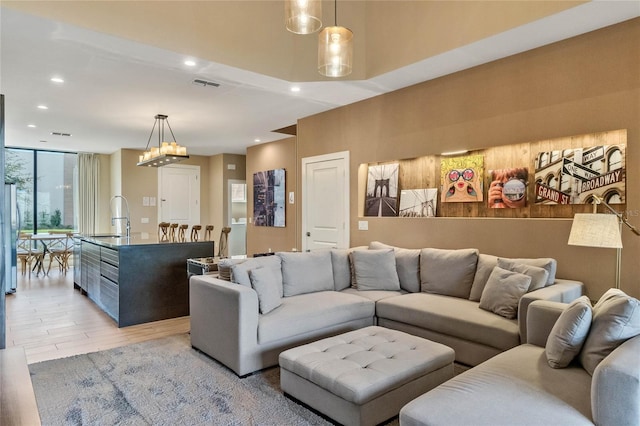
(543, 262)
(306, 272)
(341, 269)
(268, 288)
(503, 292)
(569, 333)
(486, 263)
(539, 276)
(375, 269)
(407, 265)
(616, 318)
(354, 284)
(448, 272)
(240, 271)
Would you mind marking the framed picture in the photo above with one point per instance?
(382, 190)
(418, 202)
(461, 179)
(269, 198)
(238, 192)
(507, 188)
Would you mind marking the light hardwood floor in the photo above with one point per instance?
(50, 319)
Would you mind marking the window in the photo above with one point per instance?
(565, 183)
(45, 183)
(615, 159)
(543, 160)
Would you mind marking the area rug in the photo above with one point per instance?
(160, 382)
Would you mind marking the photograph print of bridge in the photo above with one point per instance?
(382, 191)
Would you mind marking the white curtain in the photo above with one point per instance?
(88, 191)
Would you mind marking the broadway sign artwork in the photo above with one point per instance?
(575, 176)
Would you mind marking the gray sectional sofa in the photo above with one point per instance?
(585, 383)
(475, 303)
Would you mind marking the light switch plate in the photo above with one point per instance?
(363, 225)
(292, 197)
(144, 220)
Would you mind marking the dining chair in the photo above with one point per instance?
(223, 245)
(26, 253)
(60, 250)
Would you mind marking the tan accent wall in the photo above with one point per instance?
(269, 156)
(586, 84)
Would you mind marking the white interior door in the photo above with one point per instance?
(325, 201)
(179, 193)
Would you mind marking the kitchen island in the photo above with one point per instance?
(137, 279)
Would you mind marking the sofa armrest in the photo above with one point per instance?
(561, 291)
(541, 317)
(615, 388)
(224, 319)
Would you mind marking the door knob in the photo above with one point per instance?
(308, 234)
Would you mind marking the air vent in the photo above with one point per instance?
(60, 134)
(205, 83)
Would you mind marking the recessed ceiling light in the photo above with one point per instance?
(295, 88)
(43, 107)
(31, 125)
(256, 140)
(190, 63)
(57, 80)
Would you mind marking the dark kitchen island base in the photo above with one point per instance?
(137, 280)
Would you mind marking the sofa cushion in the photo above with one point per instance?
(341, 269)
(448, 272)
(311, 312)
(503, 292)
(374, 295)
(407, 265)
(269, 289)
(486, 263)
(354, 284)
(516, 387)
(569, 333)
(451, 316)
(240, 271)
(306, 272)
(375, 269)
(538, 275)
(616, 318)
(543, 262)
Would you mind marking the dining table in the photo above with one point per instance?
(46, 240)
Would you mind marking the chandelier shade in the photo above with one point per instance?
(335, 51)
(166, 152)
(303, 16)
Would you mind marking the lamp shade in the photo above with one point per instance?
(335, 51)
(595, 230)
(303, 16)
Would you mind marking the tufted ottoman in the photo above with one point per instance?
(365, 376)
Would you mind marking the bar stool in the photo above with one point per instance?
(195, 232)
(182, 237)
(163, 231)
(172, 232)
(208, 230)
(223, 248)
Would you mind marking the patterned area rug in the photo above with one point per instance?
(160, 382)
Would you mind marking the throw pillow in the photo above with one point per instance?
(224, 268)
(448, 272)
(354, 284)
(486, 263)
(375, 269)
(240, 271)
(341, 269)
(265, 283)
(616, 318)
(539, 276)
(503, 292)
(569, 333)
(407, 265)
(543, 262)
(306, 272)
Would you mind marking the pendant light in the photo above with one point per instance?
(166, 152)
(335, 49)
(303, 16)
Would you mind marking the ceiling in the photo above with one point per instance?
(123, 63)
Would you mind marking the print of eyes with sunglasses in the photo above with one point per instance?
(466, 174)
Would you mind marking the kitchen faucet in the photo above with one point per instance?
(114, 218)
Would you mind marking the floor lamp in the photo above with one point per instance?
(600, 230)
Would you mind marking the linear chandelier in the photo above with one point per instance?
(303, 16)
(166, 152)
(335, 49)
